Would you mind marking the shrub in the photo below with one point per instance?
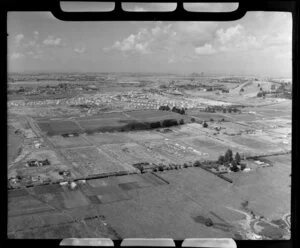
(154, 169)
(197, 164)
(160, 168)
(185, 165)
(193, 120)
(155, 124)
(234, 167)
(181, 122)
(205, 125)
(243, 166)
(245, 204)
(169, 123)
(209, 222)
(211, 119)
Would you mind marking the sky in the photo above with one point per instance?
(258, 44)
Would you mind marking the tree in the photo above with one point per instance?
(193, 120)
(205, 125)
(228, 156)
(234, 166)
(197, 163)
(237, 158)
(208, 222)
(224, 110)
(221, 159)
(181, 122)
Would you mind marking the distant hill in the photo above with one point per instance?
(194, 74)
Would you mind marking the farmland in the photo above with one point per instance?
(117, 162)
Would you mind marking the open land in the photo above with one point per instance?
(100, 155)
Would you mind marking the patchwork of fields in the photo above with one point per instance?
(132, 205)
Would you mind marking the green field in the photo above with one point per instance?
(13, 144)
(111, 122)
(57, 127)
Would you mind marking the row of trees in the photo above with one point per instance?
(174, 109)
(221, 108)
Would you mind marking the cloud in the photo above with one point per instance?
(206, 49)
(277, 39)
(53, 41)
(36, 52)
(145, 41)
(225, 36)
(15, 56)
(236, 39)
(31, 43)
(18, 39)
(171, 60)
(36, 35)
(232, 39)
(175, 40)
(136, 43)
(196, 33)
(80, 50)
(165, 37)
(132, 44)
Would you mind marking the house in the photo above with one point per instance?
(73, 185)
(63, 183)
(259, 162)
(223, 169)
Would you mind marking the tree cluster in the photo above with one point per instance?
(210, 109)
(227, 158)
(165, 108)
(178, 110)
(261, 94)
(174, 109)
